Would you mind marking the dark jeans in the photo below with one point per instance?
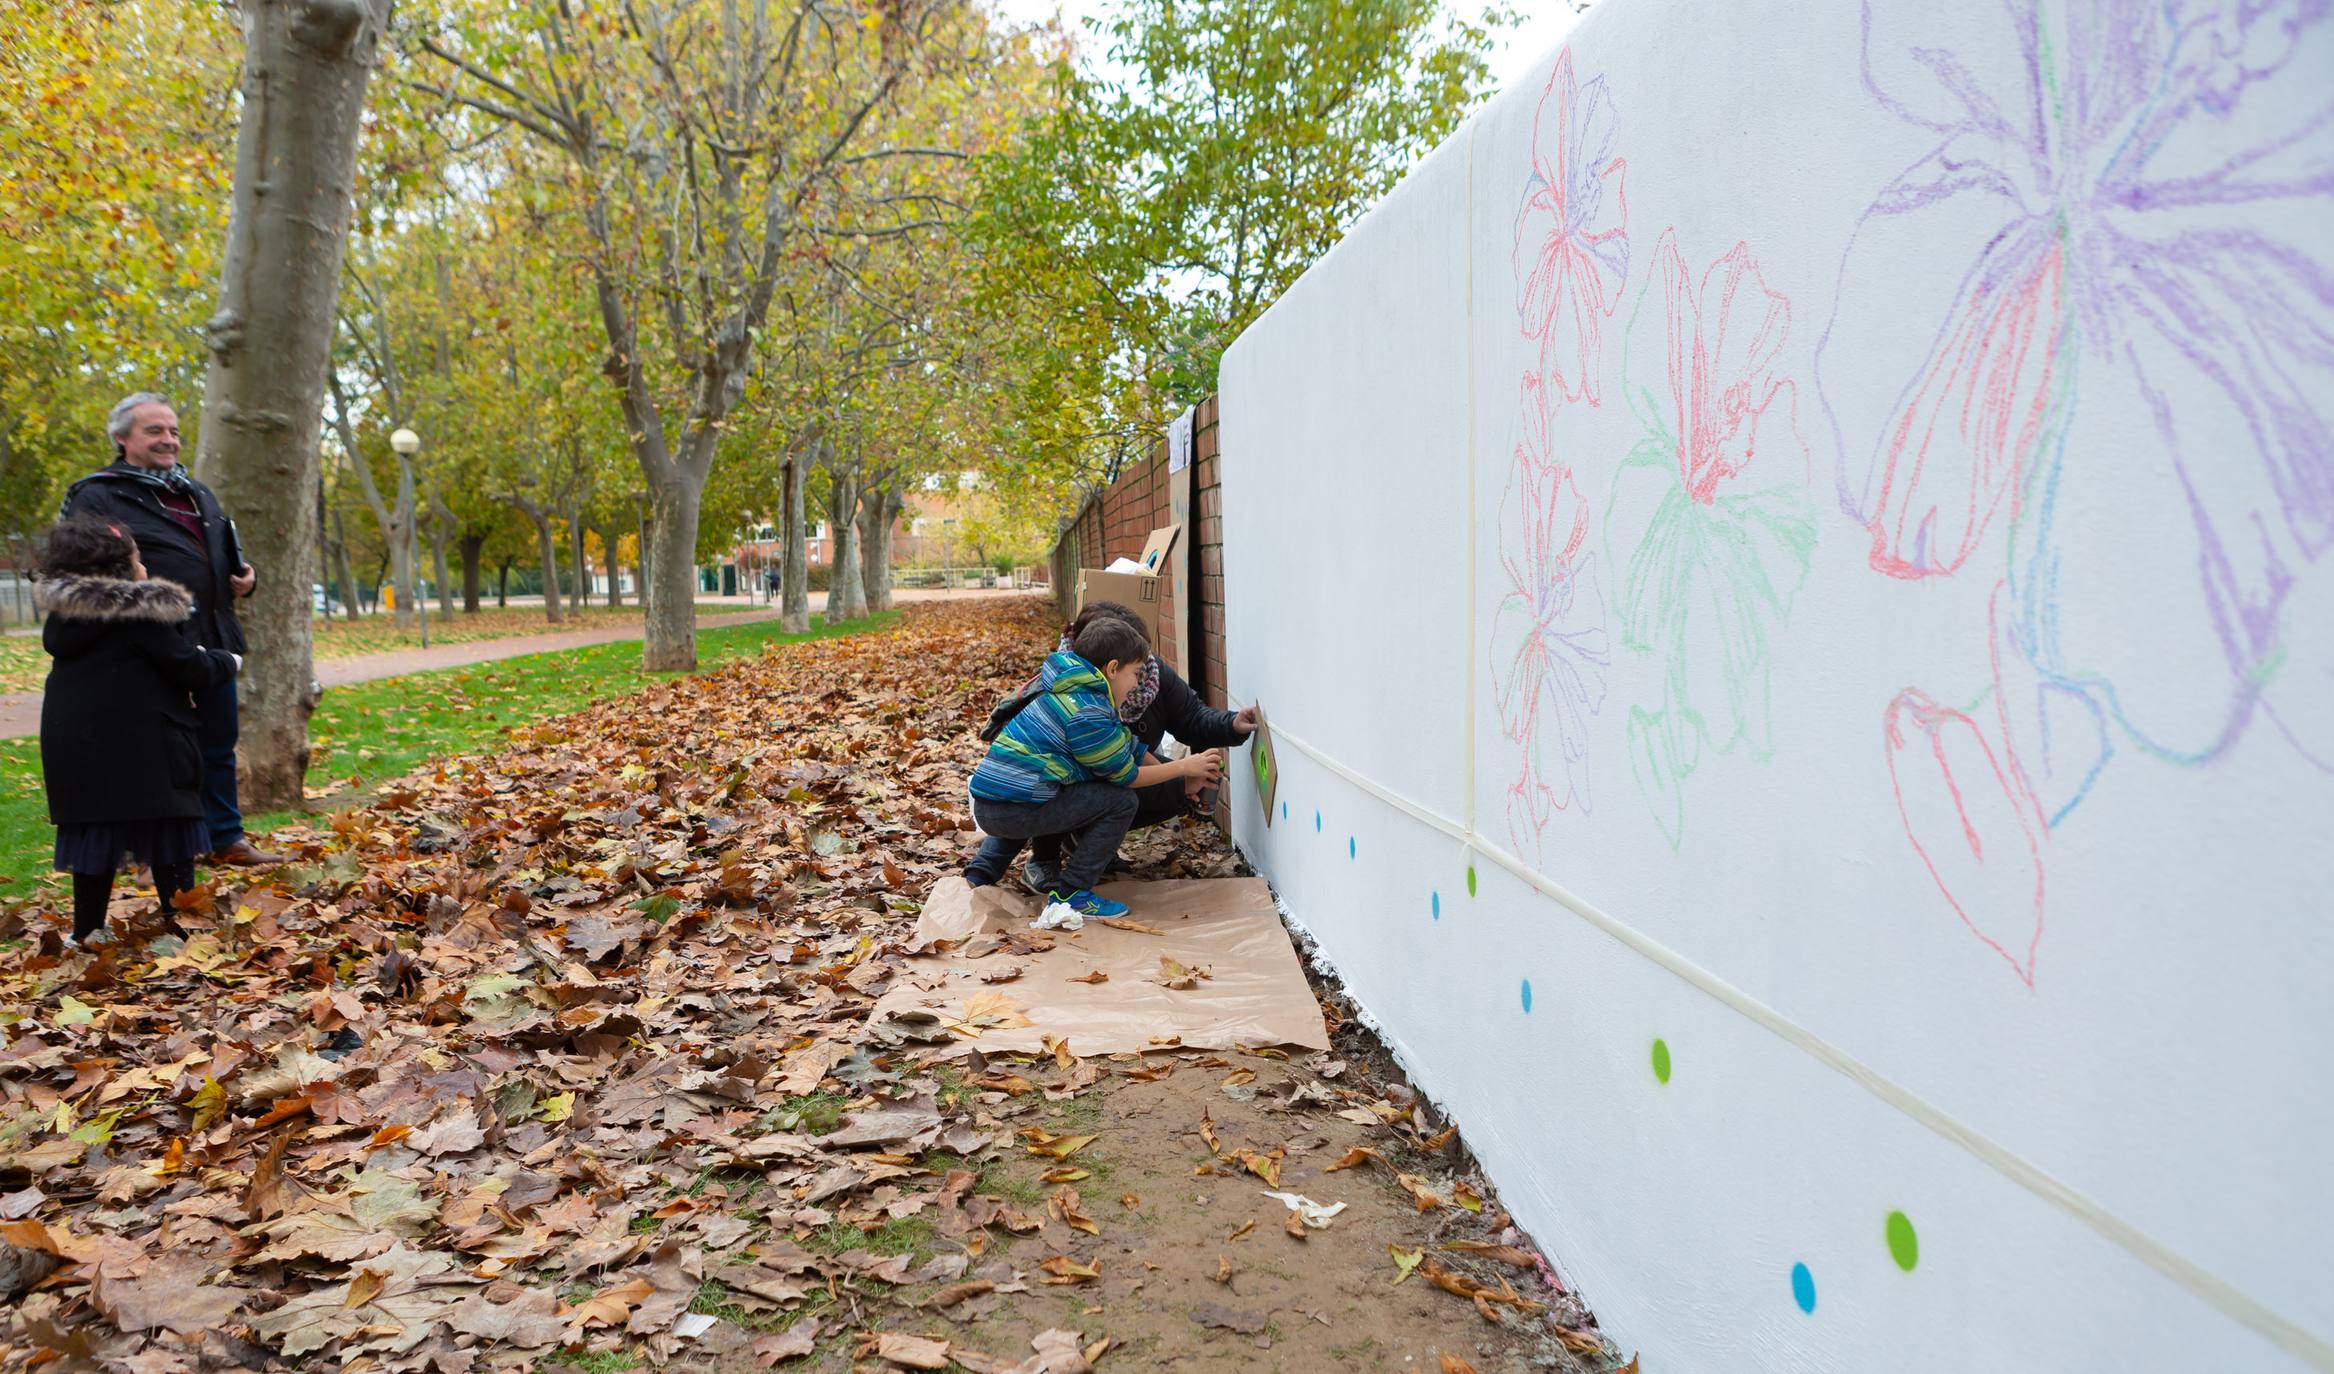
(1161, 801)
(216, 726)
(1094, 815)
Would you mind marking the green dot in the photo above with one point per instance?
(1470, 880)
(1902, 1243)
(1661, 1060)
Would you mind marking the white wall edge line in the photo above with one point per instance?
(2215, 1291)
(1467, 403)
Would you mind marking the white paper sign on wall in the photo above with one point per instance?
(1179, 442)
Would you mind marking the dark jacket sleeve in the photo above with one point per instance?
(1178, 710)
(182, 661)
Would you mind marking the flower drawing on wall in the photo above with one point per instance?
(1548, 646)
(1714, 502)
(2139, 335)
(1548, 640)
(1572, 234)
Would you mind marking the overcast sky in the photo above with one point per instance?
(1544, 26)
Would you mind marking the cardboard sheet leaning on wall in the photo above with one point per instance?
(990, 982)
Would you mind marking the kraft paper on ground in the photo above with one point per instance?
(1255, 992)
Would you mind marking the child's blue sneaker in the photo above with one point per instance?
(1086, 903)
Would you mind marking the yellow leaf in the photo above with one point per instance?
(1404, 1260)
(209, 1103)
(1043, 1142)
(72, 1011)
(558, 1107)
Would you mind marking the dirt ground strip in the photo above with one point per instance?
(559, 1059)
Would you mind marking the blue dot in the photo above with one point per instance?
(1316, 822)
(1284, 811)
(1350, 851)
(1527, 995)
(1803, 1287)
(1435, 900)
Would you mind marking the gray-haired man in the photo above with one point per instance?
(183, 535)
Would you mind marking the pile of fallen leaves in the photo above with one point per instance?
(532, 1055)
(560, 1058)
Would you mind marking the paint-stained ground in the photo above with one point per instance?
(557, 1058)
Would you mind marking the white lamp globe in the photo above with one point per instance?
(405, 441)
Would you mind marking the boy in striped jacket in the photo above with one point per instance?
(1066, 765)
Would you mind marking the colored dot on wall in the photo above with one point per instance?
(1903, 1244)
(1661, 1060)
(1803, 1287)
(1316, 822)
(1435, 901)
(1470, 880)
(1527, 994)
(1350, 851)
(1284, 811)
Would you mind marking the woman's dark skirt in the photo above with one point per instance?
(98, 847)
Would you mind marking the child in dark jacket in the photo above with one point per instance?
(119, 755)
(1065, 764)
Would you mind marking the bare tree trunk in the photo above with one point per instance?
(471, 545)
(348, 576)
(608, 557)
(502, 587)
(877, 511)
(669, 585)
(794, 574)
(305, 72)
(441, 531)
(846, 599)
(583, 567)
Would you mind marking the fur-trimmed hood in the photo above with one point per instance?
(114, 599)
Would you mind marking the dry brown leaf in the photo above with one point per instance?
(793, 1343)
(911, 1352)
(264, 1197)
(1508, 1255)
(169, 1296)
(958, 1292)
(1122, 923)
(364, 1286)
(1064, 1206)
(611, 1306)
(1242, 1234)
(1421, 1192)
(1094, 976)
(1061, 1269)
(1224, 1269)
(1452, 1364)
(1356, 1157)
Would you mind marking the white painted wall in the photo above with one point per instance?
(1824, 515)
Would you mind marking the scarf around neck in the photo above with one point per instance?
(1146, 688)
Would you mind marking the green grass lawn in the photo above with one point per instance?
(374, 731)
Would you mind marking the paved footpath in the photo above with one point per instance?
(20, 712)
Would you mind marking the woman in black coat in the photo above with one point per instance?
(119, 755)
(1163, 704)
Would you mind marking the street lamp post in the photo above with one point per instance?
(407, 443)
(948, 553)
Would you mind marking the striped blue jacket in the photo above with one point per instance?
(1070, 733)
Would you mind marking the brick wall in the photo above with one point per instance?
(1115, 521)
